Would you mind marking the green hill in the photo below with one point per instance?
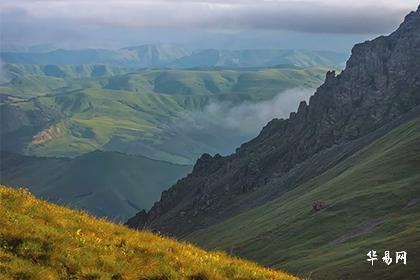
(144, 112)
(43, 241)
(31, 80)
(62, 71)
(106, 184)
(372, 203)
(265, 81)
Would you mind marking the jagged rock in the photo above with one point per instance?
(140, 220)
(207, 164)
(381, 82)
(329, 78)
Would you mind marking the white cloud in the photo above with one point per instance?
(246, 118)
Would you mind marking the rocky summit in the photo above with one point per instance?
(380, 83)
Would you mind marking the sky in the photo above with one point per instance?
(231, 24)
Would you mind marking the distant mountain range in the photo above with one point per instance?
(67, 110)
(67, 71)
(260, 58)
(106, 184)
(315, 192)
(172, 56)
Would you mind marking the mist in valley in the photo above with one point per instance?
(228, 124)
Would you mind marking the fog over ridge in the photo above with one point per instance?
(243, 120)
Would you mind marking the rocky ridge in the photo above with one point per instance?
(380, 83)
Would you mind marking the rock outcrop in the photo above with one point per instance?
(380, 83)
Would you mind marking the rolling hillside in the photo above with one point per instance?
(146, 112)
(106, 184)
(372, 202)
(44, 241)
(62, 71)
(318, 190)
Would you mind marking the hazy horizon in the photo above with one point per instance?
(235, 24)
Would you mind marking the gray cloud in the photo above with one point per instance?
(320, 16)
(234, 24)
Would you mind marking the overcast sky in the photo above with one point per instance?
(313, 24)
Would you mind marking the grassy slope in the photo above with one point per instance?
(132, 112)
(373, 202)
(29, 80)
(44, 241)
(34, 80)
(205, 82)
(107, 184)
(94, 117)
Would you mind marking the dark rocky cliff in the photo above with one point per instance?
(381, 82)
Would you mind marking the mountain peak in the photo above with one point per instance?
(411, 23)
(380, 83)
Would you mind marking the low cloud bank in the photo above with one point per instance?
(247, 118)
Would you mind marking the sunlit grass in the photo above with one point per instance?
(39, 240)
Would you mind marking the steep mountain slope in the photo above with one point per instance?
(144, 112)
(166, 55)
(372, 201)
(106, 184)
(378, 91)
(43, 241)
(380, 83)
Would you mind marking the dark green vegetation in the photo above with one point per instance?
(372, 203)
(172, 56)
(70, 110)
(315, 192)
(42, 241)
(106, 184)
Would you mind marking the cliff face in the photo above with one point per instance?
(380, 83)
